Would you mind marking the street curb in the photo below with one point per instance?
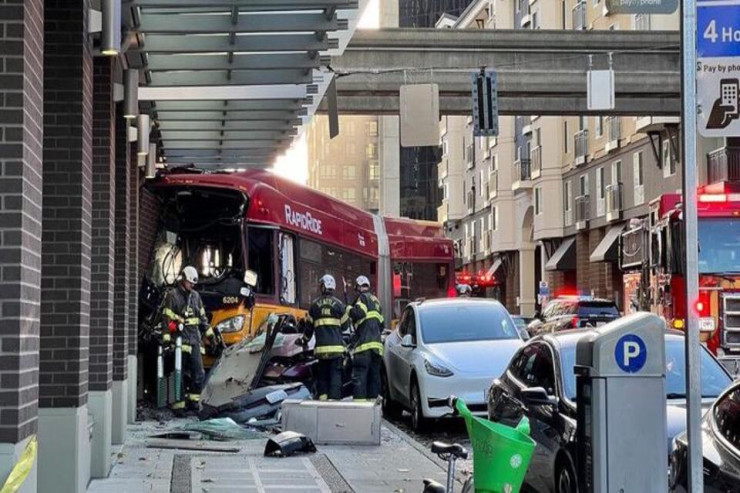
(459, 477)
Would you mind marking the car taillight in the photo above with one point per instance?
(574, 322)
(451, 293)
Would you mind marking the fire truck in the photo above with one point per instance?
(662, 277)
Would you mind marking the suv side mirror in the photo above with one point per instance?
(250, 278)
(537, 396)
(408, 341)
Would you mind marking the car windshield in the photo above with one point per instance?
(455, 322)
(719, 245)
(714, 379)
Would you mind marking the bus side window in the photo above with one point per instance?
(287, 269)
(261, 259)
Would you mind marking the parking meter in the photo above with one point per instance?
(620, 392)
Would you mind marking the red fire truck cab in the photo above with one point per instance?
(718, 305)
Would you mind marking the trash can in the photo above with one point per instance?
(501, 454)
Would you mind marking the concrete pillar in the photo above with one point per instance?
(121, 273)
(21, 118)
(527, 296)
(389, 154)
(64, 438)
(133, 287)
(389, 141)
(101, 303)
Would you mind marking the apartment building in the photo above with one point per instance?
(549, 197)
(345, 167)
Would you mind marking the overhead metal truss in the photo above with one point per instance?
(230, 82)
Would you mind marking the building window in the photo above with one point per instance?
(494, 162)
(535, 20)
(372, 128)
(537, 201)
(616, 172)
(348, 194)
(599, 126)
(349, 172)
(371, 151)
(374, 170)
(638, 165)
(563, 14)
(568, 196)
(445, 146)
(565, 137)
(583, 185)
(669, 163)
(446, 191)
(600, 183)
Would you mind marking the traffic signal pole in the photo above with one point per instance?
(690, 222)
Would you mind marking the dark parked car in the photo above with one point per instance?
(721, 446)
(573, 312)
(542, 371)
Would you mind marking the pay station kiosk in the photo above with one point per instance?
(621, 400)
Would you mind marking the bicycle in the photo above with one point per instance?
(502, 453)
(450, 453)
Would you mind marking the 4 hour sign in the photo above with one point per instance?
(718, 67)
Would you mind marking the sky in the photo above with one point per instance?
(294, 163)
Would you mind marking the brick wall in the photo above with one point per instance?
(148, 221)
(104, 155)
(121, 270)
(583, 264)
(67, 205)
(21, 140)
(133, 251)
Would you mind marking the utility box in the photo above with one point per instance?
(334, 423)
(620, 391)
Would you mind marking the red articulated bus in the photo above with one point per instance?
(290, 235)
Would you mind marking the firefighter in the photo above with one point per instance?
(184, 315)
(326, 317)
(366, 314)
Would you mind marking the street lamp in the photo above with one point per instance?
(143, 129)
(131, 94)
(110, 44)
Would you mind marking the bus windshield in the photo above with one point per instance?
(719, 245)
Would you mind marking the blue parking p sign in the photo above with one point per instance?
(630, 353)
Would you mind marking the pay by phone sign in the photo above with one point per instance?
(630, 353)
(718, 67)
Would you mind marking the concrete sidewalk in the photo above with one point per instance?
(398, 465)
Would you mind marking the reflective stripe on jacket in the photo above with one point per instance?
(182, 307)
(326, 317)
(367, 316)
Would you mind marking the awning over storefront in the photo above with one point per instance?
(608, 249)
(564, 258)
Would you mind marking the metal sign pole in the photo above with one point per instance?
(693, 346)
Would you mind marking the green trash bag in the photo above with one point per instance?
(501, 454)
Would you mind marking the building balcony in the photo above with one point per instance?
(723, 165)
(647, 124)
(614, 132)
(614, 202)
(493, 184)
(522, 175)
(581, 146)
(579, 16)
(536, 159)
(583, 213)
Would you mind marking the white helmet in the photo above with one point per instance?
(190, 274)
(327, 282)
(362, 282)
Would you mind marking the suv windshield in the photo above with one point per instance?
(714, 379)
(461, 322)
